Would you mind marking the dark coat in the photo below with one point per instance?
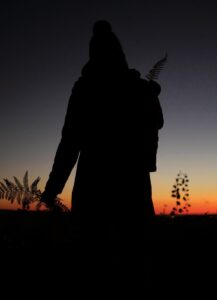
(111, 127)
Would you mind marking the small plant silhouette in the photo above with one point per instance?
(180, 191)
(155, 71)
(25, 194)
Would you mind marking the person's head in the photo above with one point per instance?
(105, 49)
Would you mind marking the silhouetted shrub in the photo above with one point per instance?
(180, 192)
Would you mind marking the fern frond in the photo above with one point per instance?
(1, 190)
(34, 185)
(157, 68)
(26, 181)
(12, 197)
(63, 207)
(19, 185)
(25, 195)
(6, 195)
(37, 194)
(11, 186)
(19, 197)
(3, 186)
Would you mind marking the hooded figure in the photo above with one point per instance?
(111, 131)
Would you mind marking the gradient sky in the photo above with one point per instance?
(44, 45)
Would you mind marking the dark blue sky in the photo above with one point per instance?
(44, 45)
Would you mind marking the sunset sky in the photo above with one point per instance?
(44, 45)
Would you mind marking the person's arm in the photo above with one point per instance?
(155, 104)
(159, 114)
(67, 152)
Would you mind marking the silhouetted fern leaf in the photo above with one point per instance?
(63, 207)
(19, 185)
(19, 197)
(24, 195)
(1, 192)
(34, 185)
(11, 186)
(155, 71)
(26, 181)
(3, 186)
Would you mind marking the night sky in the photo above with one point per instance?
(44, 45)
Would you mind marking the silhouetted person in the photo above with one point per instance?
(111, 129)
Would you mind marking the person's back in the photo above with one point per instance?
(111, 127)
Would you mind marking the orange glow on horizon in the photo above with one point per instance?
(162, 206)
(202, 195)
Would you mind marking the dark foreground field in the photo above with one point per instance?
(179, 252)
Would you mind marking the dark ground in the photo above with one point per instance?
(179, 252)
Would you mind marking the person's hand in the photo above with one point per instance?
(50, 202)
(55, 208)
